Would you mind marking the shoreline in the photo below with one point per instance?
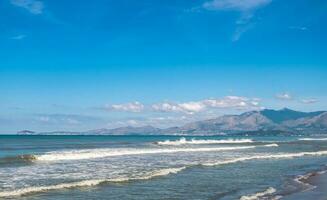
(314, 185)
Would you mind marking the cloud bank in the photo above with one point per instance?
(33, 6)
(128, 107)
(192, 107)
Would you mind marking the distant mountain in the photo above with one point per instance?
(25, 132)
(246, 122)
(312, 124)
(126, 130)
(285, 121)
(279, 116)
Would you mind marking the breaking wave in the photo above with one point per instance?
(164, 172)
(183, 141)
(313, 139)
(88, 183)
(101, 153)
(258, 157)
(259, 195)
(271, 145)
(303, 179)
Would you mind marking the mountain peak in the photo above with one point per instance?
(286, 114)
(287, 109)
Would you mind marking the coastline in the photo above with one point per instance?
(315, 186)
(312, 185)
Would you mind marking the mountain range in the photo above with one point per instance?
(263, 122)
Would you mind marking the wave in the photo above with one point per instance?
(313, 139)
(258, 157)
(17, 159)
(183, 141)
(89, 183)
(164, 172)
(259, 195)
(303, 179)
(271, 145)
(101, 153)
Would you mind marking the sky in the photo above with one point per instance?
(72, 66)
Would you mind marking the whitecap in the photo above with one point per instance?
(89, 183)
(275, 156)
(101, 153)
(259, 195)
(271, 145)
(183, 141)
(313, 139)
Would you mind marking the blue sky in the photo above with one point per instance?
(105, 63)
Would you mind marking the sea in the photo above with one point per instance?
(144, 167)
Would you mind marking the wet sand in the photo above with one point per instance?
(318, 191)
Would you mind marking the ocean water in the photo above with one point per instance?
(156, 167)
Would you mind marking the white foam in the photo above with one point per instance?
(88, 183)
(258, 195)
(277, 156)
(101, 153)
(183, 141)
(271, 145)
(313, 139)
(301, 180)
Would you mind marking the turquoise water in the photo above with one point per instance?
(155, 167)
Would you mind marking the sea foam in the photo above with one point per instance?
(88, 183)
(259, 195)
(183, 141)
(101, 153)
(275, 156)
(271, 145)
(162, 172)
(313, 139)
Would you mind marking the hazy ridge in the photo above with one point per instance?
(271, 122)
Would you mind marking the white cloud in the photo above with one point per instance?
(193, 106)
(188, 107)
(235, 102)
(246, 8)
(238, 5)
(18, 37)
(128, 107)
(33, 6)
(166, 107)
(240, 30)
(284, 96)
(309, 101)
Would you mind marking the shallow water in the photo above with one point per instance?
(155, 167)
